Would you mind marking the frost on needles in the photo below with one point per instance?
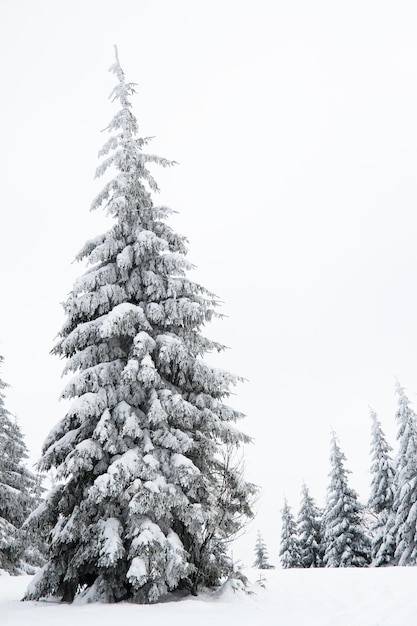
(147, 495)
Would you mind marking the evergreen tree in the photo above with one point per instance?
(35, 534)
(149, 495)
(289, 548)
(345, 542)
(402, 527)
(261, 552)
(382, 491)
(309, 531)
(17, 493)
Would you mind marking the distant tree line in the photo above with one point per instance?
(346, 533)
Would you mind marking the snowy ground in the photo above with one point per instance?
(325, 597)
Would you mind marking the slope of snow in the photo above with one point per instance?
(325, 597)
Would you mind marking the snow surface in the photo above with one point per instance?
(325, 597)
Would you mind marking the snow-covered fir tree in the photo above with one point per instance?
(346, 543)
(309, 531)
(148, 496)
(381, 496)
(402, 526)
(261, 554)
(17, 494)
(289, 548)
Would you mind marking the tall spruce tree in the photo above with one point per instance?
(381, 496)
(17, 493)
(261, 554)
(309, 531)
(148, 496)
(289, 548)
(345, 541)
(402, 526)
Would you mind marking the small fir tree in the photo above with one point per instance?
(309, 531)
(289, 548)
(381, 496)
(345, 541)
(17, 494)
(148, 497)
(261, 553)
(402, 527)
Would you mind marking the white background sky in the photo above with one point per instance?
(294, 124)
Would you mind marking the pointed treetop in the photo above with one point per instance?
(399, 389)
(117, 68)
(405, 415)
(130, 190)
(382, 472)
(376, 425)
(377, 430)
(336, 454)
(116, 54)
(124, 120)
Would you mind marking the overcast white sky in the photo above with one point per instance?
(294, 124)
